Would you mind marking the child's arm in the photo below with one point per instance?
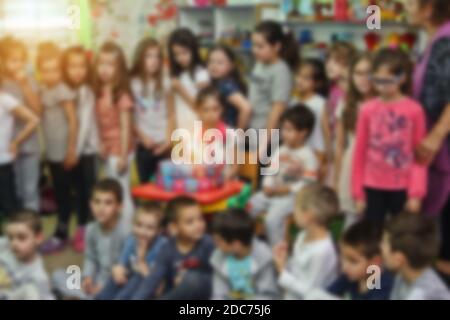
(126, 123)
(31, 122)
(325, 125)
(171, 126)
(31, 97)
(359, 159)
(266, 284)
(90, 261)
(241, 103)
(184, 94)
(220, 286)
(418, 180)
(72, 121)
(339, 151)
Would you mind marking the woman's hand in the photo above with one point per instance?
(70, 160)
(428, 148)
(161, 148)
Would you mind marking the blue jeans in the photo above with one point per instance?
(132, 290)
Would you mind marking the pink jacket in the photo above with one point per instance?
(386, 137)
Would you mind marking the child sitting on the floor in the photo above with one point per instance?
(182, 264)
(314, 261)
(243, 267)
(410, 246)
(22, 273)
(297, 165)
(138, 256)
(105, 238)
(360, 254)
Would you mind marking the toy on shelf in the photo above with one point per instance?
(372, 40)
(341, 10)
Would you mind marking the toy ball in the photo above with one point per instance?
(178, 185)
(191, 185)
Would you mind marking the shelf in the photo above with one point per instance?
(223, 8)
(328, 23)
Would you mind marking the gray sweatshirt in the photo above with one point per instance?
(263, 273)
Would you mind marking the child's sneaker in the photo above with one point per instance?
(78, 240)
(53, 245)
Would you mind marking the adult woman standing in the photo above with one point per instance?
(432, 89)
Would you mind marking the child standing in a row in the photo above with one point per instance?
(114, 107)
(16, 82)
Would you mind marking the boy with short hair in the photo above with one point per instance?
(22, 273)
(360, 252)
(105, 238)
(410, 245)
(313, 263)
(242, 264)
(295, 164)
(182, 264)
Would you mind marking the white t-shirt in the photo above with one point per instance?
(285, 157)
(185, 116)
(317, 105)
(7, 105)
(312, 265)
(151, 110)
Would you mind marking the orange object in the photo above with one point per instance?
(153, 192)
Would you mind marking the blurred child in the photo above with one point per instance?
(385, 175)
(243, 267)
(277, 197)
(314, 261)
(360, 252)
(76, 72)
(22, 273)
(60, 128)
(137, 259)
(360, 90)
(410, 246)
(188, 75)
(16, 82)
(226, 77)
(182, 264)
(105, 238)
(311, 86)
(340, 55)
(11, 112)
(154, 114)
(210, 110)
(114, 110)
(271, 82)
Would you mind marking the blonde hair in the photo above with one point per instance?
(321, 200)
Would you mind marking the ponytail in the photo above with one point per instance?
(274, 33)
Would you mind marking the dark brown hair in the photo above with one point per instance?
(365, 237)
(416, 237)
(205, 93)
(109, 185)
(75, 50)
(234, 225)
(274, 33)
(353, 96)
(440, 10)
(28, 217)
(399, 64)
(319, 75)
(301, 117)
(139, 70)
(343, 52)
(184, 37)
(176, 205)
(121, 84)
(151, 208)
(235, 74)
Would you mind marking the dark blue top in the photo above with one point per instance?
(170, 263)
(226, 88)
(343, 287)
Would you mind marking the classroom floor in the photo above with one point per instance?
(64, 258)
